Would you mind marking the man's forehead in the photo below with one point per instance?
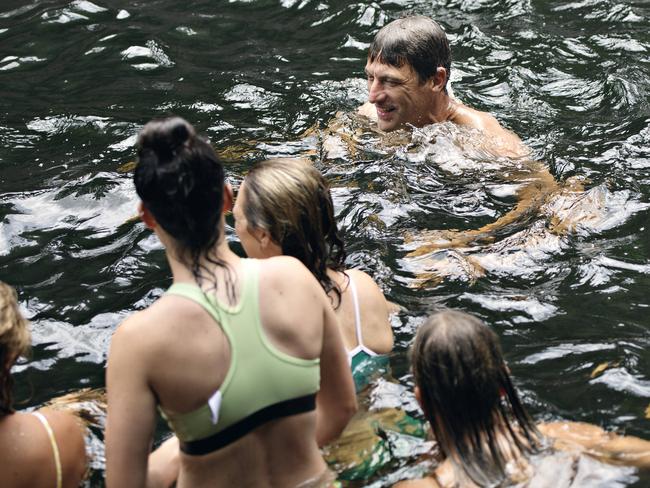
(377, 68)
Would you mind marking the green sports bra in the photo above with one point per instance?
(262, 382)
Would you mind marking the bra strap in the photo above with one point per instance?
(238, 430)
(55, 447)
(357, 311)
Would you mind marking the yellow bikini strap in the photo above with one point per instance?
(55, 448)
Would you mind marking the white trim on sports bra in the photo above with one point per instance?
(360, 347)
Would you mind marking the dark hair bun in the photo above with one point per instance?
(165, 137)
(180, 180)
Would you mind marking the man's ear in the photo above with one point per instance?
(439, 79)
(146, 217)
(228, 198)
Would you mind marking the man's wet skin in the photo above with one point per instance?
(398, 98)
(546, 211)
(347, 135)
(400, 101)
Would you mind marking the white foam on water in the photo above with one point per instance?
(88, 7)
(244, 95)
(151, 50)
(64, 17)
(125, 144)
(536, 310)
(564, 350)
(46, 210)
(620, 379)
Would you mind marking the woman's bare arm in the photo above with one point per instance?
(606, 446)
(336, 401)
(131, 409)
(164, 464)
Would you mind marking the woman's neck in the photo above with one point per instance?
(182, 270)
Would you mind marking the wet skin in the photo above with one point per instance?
(399, 97)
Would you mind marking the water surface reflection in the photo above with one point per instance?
(80, 78)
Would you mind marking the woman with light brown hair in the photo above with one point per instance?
(484, 433)
(284, 207)
(38, 449)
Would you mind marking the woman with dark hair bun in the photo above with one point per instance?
(243, 357)
(484, 433)
(39, 449)
(285, 207)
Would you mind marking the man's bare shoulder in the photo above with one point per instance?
(464, 115)
(507, 142)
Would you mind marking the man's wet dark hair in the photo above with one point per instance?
(416, 41)
(180, 180)
(468, 397)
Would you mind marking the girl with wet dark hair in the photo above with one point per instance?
(243, 357)
(181, 183)
(39, 449)
(484, 433)
(285, 207)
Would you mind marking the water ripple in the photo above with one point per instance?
(564, 350)
(566, 287)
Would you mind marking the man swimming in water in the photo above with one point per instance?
(408, 68)
(409, 62)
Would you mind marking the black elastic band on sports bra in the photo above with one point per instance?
(239, 429)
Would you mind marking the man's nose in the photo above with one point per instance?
(374, 91)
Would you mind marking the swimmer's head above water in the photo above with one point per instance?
(180, 180)
(465, 390)
(408, 68)
(284, 207)
(15, 339)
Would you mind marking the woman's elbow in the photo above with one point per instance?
(346, 411)
(351, 408)
(332, 423)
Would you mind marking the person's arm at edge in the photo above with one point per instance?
(164, 464)
(131, 409)
(336, 401)
(609, 447)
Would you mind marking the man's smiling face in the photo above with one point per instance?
(398, 95)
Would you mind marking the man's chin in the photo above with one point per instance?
(386, 125)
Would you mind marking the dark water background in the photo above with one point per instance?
(78, 80)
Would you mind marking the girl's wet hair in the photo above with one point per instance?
(15, 340)
(468, 397)
(180, 180)
(416, 41)
(291, 200)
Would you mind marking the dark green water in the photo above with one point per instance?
(78, 80)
